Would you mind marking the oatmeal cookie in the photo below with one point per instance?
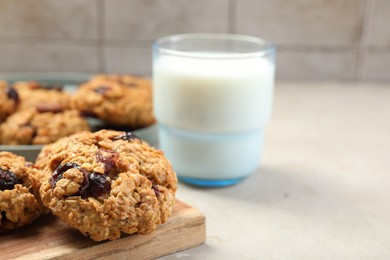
(41, 126)
(36, 95)
(19, 192)
(119, 100)
(107, 183)
(9, 100)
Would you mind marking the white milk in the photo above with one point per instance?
(212, 113)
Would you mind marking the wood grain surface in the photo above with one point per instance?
(50, 238)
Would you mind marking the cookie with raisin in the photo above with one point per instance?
(33, 94)
(42, 125)
(118, 100)
(107, 183)
(9, 100)
(20, 203)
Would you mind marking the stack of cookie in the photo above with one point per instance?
(31, 113)
(104, 184)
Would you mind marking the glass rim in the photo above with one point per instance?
(265, 46)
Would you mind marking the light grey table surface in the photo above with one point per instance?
(322, 190)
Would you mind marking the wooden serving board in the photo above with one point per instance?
(50, 238)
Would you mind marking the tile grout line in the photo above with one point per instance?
(48, 40)
(101, 36)
(232, 16)
(69, 41)
(365, 36)
(94, 42)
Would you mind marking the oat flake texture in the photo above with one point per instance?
(19, 186)
(107, 183)
(120, 100)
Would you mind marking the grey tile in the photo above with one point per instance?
(290, 65)
(315, 65)
(150, 19)
(49, 18)
(380, 25)
(35, 57)
(376, 66)
(317, 22)
(130, 59)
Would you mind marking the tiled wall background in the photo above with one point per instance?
(316, 39)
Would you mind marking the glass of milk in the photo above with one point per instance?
(212, 100)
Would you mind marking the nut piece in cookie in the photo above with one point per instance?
(118, 100)
(9, 100)
(19, 198)
(46, 124)
(107, 183)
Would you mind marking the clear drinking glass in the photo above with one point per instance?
(212, 100)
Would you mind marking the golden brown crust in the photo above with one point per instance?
(20, 205)
(141, 181)
(32, 127)
(120, 100)
(33, 94)
(8, 102)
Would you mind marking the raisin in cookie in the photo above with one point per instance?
(9, 100)
(118, 100)
(43, 97)
(41, 126)
(107, 183)
(19, 192)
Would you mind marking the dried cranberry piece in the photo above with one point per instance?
(12, 93)
(156, 190)
(8, 179)
(108, 158)
(126, 136)
(60, 170)
(98, 185)
(102, 89)
(88, 113)
(83, 190)
(94, 184)
(47, 107)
